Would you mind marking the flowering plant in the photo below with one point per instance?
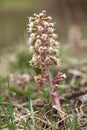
(42, 43)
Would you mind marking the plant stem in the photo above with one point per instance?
(51, 89)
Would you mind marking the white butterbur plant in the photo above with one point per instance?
(44, 46)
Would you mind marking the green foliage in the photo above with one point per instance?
(0, 99)
(3, 81)
(16, 91)
(73, 123)
(46, 93)
(60, 90)
(21, 60)
(30, 106)
(8, 115)
(8, 81)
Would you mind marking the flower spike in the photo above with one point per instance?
(44, 46)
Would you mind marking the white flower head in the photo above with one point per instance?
(51, 24)
(51, 40)
(36, 21)
(54, 35)
(41, 14)
(41, 49)
(50, 30)
(51, 49)
(31, 24)
(30, 30)
(46, 24)
(40, 28)
(30, 41)
(30, 19)
(38, 42)
(49, 18)
(38, 37)
(35, 15)
(44, 36)
(32, 36)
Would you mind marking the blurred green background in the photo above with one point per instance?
(14, 18)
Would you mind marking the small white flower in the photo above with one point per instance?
(40, 28)
(38, 78)
(38, 36)
(41, 49)
(30, 29)
(38, 42)
(50, 30)
(35, 15)
(54, 35)
(41, 14)
(36, 21)
(51, 40)
(51, 24)
(32, 35)
(44, 11)
(34, 58)
(44, 36)
(30, 41)
(49, 18)
(51, 49)
(30, 19)
(31, 24)
(47, 60)
(45, 23)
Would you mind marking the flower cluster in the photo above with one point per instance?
(20, 80)
(44, 46)
(42, 41)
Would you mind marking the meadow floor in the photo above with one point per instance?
(22, 108)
